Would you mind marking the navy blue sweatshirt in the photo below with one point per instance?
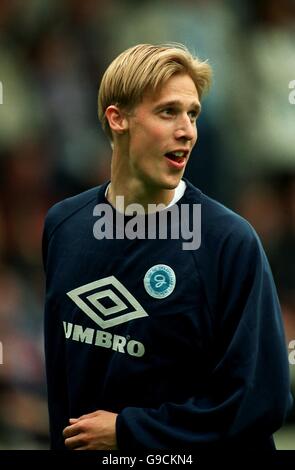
(187, 346)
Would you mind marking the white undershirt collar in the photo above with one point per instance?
(178, 192)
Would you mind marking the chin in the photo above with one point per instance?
(165, 182)
(171, 182)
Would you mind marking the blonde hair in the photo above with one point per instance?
(143, 67)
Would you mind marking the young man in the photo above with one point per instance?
(150, 344)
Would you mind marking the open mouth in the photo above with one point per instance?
(177, 158)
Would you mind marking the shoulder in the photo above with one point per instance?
(67, 208)
(219, 224)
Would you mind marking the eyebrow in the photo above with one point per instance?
(195, 106)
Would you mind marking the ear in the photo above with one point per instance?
(117, 119)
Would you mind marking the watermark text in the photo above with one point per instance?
(292, 93)
(178, 222)
(1, 92)
(292, 353)
(1, 352)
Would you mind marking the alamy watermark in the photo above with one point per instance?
(1, 353)
(1, 92)
(160, 222)
(292, 93)
(292, 353)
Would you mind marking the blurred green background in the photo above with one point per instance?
(52, 56)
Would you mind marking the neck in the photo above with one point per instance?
(135, 193)
(133, 189)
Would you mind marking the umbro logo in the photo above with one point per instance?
(107, 302)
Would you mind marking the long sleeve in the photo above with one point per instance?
(55, 360)
(201, 368)
(246, 395)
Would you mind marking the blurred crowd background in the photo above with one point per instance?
(52, 56)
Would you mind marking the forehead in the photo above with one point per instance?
(179, 87)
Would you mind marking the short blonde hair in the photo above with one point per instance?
(143, 67)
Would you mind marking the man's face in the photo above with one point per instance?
(162, 133)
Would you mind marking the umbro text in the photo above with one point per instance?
(103, 339)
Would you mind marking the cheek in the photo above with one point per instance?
(146, 132)
(156, 133)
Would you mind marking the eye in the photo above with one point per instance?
(193, 115)
(167, 112)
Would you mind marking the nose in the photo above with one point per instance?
(185, 129)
